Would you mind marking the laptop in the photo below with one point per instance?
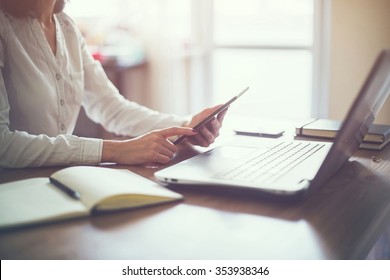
(286, 168)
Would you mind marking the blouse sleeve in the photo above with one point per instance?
(21, 149)
(105, 105)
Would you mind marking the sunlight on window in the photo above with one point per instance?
(172, 17)
(265, 45)
(265, 22)
(91, 8)
(279, 81)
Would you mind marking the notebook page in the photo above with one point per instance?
(97, 184)
(35, 200)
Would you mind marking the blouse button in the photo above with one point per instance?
(58, 76)
(62, 126)
(62, 102)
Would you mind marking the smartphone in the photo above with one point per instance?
(212, 115)
(260, 132)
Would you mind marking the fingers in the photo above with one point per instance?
(174, 131)
(210, 131)
(164, 150)
(212, 109)
(153, 147)
(221, 115)
(163, 155)
(205, 137)
(207, 134)
(156, 149)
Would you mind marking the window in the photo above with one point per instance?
(205, 51)
(270, 46)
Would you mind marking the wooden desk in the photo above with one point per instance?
(342, 221)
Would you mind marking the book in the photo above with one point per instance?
(74, 192)
(378, 133)
(376, 138)
(322, 128)
(373, 145)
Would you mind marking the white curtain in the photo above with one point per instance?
(165, 29)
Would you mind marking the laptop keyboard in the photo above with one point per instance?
(269, 165)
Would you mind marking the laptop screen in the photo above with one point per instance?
(361, 115)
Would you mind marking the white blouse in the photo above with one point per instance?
(41, 95)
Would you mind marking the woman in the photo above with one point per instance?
(47, 74)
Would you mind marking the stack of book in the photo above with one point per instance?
(377, 137)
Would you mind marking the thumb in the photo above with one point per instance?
(221, 115)
(176, 130)
(208, 111)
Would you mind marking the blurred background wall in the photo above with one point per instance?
(359, 30)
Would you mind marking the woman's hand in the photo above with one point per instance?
(206, 134)
(153, 147)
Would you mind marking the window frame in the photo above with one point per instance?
(203, 30)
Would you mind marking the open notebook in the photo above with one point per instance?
(77, 192)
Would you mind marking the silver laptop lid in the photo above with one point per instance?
(361, 115)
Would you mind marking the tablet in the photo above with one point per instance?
(212, 115)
